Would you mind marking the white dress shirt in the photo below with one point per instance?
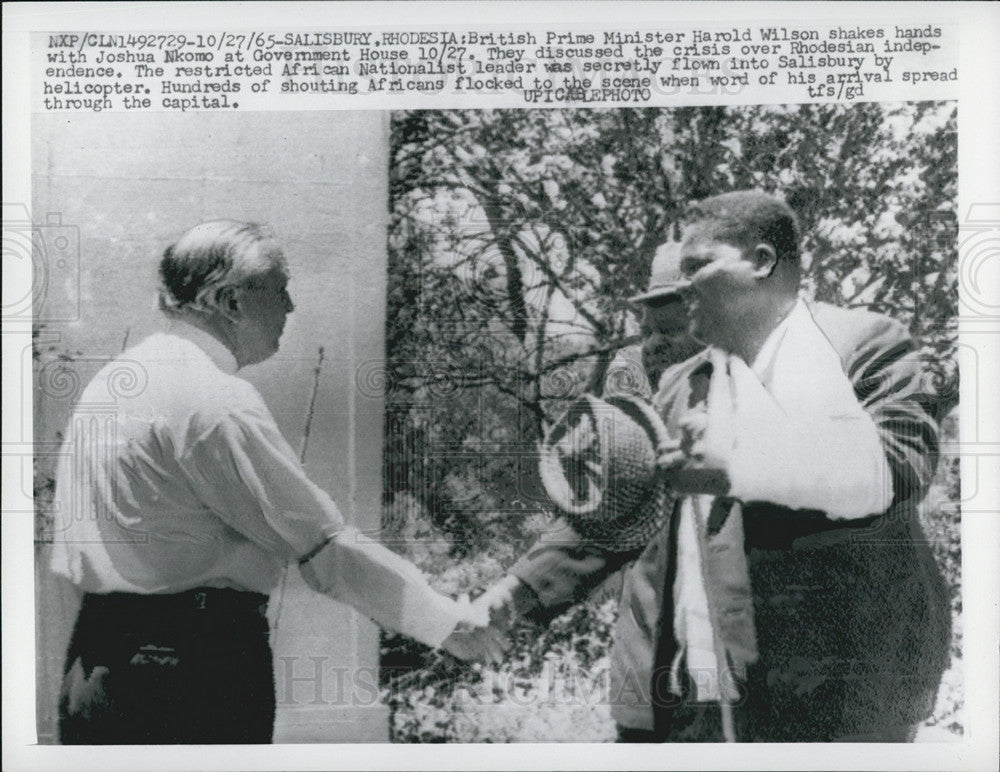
(185, 481)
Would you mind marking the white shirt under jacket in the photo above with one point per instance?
(187, 482)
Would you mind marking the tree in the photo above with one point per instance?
(517, 235)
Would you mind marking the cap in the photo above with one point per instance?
(665, 276)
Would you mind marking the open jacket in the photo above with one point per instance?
(851, 617)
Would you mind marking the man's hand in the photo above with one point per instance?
(683, 461)
(498, 603)
(475, 637)
(481, 644)
(485, 634)
(688, 450)
(670, 456)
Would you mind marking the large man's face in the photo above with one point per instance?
(264, 307)
(722, 286)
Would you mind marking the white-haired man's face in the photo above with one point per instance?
(257, 310)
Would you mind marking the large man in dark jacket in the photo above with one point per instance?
(790, 595)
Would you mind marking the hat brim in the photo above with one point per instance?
(660, 292)
(590, 505)
(554, 475)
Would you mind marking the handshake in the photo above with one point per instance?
(483, 633)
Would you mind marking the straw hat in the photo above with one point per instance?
(598, 465)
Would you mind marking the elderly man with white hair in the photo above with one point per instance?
(183, 512)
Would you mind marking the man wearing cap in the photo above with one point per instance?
(791, 595)
(179, 513)
(663, 328)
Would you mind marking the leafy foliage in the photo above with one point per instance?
(940, 517)
(517, 236)
(553, 687)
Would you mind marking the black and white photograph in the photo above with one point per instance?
(539, 264)
(581, 426)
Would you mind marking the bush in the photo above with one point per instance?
(551, 688)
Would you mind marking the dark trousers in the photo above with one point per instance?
(190, 668)
(687, 723)
(753, 719)
(897, 734)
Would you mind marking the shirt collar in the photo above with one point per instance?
(208, 344)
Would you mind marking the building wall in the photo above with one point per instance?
(113, 191)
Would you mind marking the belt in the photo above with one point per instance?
(768, 527)
(112, 627)
(211, 600)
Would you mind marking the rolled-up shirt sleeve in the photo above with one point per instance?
(247, 474)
